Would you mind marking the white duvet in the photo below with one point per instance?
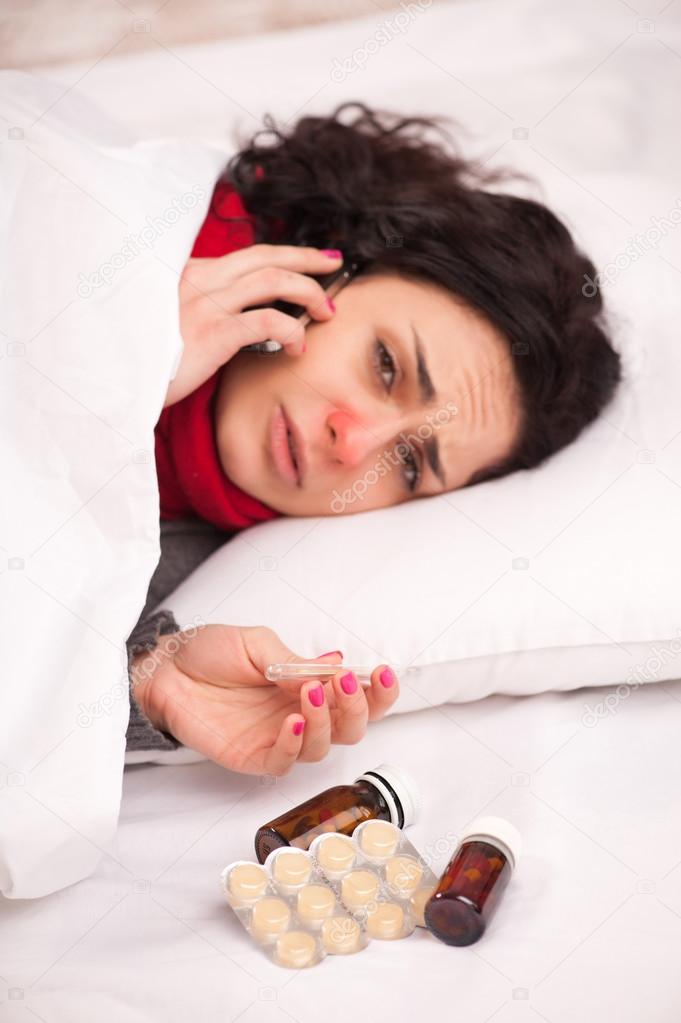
(94, 232)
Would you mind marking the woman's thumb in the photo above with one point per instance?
(265, 648)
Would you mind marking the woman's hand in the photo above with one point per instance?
(209, 690)
(213, 293)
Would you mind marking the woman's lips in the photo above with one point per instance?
(298, 446)
(281, 452)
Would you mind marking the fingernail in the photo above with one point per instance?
(349, 683)
(304, 348)
(387, 678)
(316, 696)
(333, 253)
(298, 727)
(330, 304)
(329, 652)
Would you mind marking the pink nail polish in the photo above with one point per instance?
(349, 684)
(329, 652)
(333, 253)
(387, 678)
(331, 305)
(316, 696)
(298, 727)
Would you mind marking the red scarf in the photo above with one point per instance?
(190, 476)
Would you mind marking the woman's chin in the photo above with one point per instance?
(266, 488)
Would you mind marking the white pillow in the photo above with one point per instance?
(564, 576)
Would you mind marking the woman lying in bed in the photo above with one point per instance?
(466, 348)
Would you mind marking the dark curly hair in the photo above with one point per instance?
(394, 200)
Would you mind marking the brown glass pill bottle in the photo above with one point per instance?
(470, 888)
(387, 793)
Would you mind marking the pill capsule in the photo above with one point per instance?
(418, 903)
(359, 888)
(291, 869)
(315, 903)
(385, 921)
(379, 840)
(296, 949)
(271, 916)
(247, 883)
(403, 874)
(341, 935)
(336, 855)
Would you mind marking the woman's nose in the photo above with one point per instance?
(353, 439)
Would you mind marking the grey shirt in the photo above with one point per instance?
(185, 543)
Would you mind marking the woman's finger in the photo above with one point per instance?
(351, 709)
(314, 706)
(272, 284)
(225, 333)
(287, 746)
(382, 692)
(203, 275)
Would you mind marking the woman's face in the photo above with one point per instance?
(405, 393)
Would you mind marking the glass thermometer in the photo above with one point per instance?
(277, 672)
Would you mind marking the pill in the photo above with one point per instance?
(403, 874)
(336, 854)
(358, 888)
(292, 868)
(247, 882)
(296, 949)
(418, 903)
(315, 903)
(340, 935)
(379, 839)
(270, 917)
(386, 921)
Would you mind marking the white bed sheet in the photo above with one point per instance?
(591, 925)
(588, 930)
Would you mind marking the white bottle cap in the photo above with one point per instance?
(398, 789)
(495, 830)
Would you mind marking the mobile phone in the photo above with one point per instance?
(332, 283)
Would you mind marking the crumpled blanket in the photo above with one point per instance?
(95, 230)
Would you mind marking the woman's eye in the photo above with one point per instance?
(385, 366)
(412, 470)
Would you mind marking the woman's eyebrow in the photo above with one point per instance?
(426, 385)
(427, 393)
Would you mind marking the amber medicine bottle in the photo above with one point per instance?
(468, 892)
(387, 793)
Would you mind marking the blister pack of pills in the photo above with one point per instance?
(378, 876)
(289, 907)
